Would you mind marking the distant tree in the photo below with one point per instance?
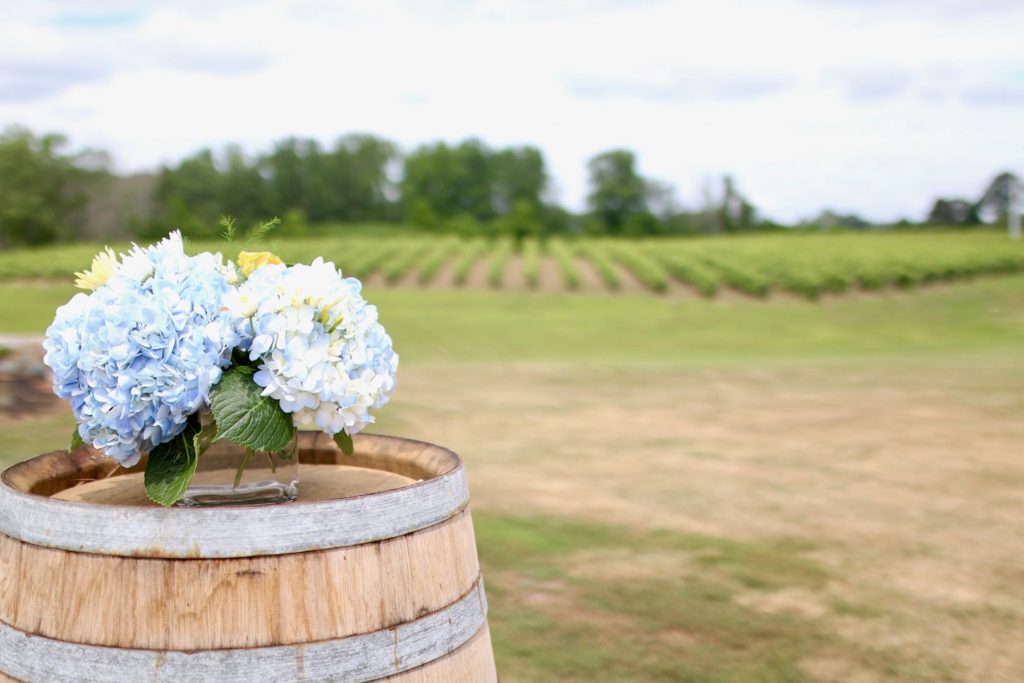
(464, 225)
(618, 192)
(189, 197)
(660, 198)
(243, 192)
(736, 213)
(119, 207)
(724, 209)
(831, 220)
(954, 212)
(999, 196)
(524, 220)
(420, 214)
(642, 223)
(708, 218)
(557, 219)
(444, 182)
(44, 189)
(517, 175)
(681, 223)
(297, 177)
(286, 173)
(355, 178)
(450, 180)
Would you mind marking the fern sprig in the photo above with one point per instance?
(261, 230)
(228, 225)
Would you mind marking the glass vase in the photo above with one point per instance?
(228, 474)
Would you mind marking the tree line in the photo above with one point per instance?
(994, 204)
(49, 192)
(466, 188)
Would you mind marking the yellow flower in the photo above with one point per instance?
(249, 261)
(104, 265)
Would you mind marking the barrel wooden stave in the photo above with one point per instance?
(241, 602)
(409, 588)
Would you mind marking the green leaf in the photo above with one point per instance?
(172, 464)
(344, 442)
(76, 441)
(245, 417)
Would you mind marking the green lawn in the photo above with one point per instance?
(488, 327)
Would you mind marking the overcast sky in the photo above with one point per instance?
(873, 106)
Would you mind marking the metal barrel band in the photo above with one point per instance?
(359, 658)
(225, 532)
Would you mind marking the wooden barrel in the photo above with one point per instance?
(371, 575)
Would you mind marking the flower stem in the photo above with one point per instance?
(241, 466)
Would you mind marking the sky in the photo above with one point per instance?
(867, 106)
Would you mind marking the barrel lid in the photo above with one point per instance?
(29, 513)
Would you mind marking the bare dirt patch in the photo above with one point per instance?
(445, 276)
(800, 601)
(625, 564)
(681, 290)
(835, 669)
(629, 283)
(514, 278)
(410, 278)
(376, 280)
(550, 275)
(477, 277)
(590, 280)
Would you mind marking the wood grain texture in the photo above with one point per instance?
(243, 602)
(29, 513)
(365, 657)
(473, 662)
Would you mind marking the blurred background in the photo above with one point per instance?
(721, 302)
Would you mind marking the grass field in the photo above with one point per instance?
(676, 489)
(806, 265)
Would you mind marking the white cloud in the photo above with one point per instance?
(928, 9)
(871, 82)
(859, 106)
(995, 93)
(685, 86)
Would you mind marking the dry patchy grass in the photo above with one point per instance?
(830, 523)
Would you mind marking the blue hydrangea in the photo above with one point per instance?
(137, 356)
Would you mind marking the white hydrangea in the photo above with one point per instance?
(322, 353)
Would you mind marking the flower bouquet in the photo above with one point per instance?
(176, 356)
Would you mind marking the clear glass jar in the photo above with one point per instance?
(228, 474)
